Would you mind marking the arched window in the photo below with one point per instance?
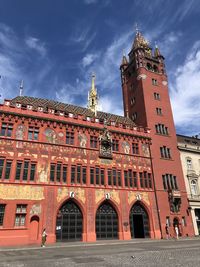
(155, 68)
(149, 67)
(194, 190)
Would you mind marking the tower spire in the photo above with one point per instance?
(92, 96)
(21, 88)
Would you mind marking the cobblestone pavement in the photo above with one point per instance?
(163, 253)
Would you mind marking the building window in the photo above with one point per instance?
(156, 96)
(168, 221)
(161, 129)
(93, 141)
(189, 164)
(132, 101)
(135, 148)
(5, 168)
(2, 212)
(130, 179)
(158, 111)
(25, 171)
(69, 138)
(165, 152)
(33, 133)
(184, 221)
(145, 180)
(194, 189)
(114, 177)
(6, 129)
(58, 172)
(154, 82)
(78, 174)
(134, 116)
(115, 145)
(169, 182)
(97, 176)
(20, 217)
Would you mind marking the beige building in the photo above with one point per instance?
(189, 148)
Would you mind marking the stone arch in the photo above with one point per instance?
(107, 220)
(69, 221)
(139, 220)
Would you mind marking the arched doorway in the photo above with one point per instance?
(106, 222)
(34, 228)
(69, 222)
(139, 222)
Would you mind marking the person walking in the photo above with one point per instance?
(44, 237)
(167, 231)
(176, 231)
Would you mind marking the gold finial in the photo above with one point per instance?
(93, 81)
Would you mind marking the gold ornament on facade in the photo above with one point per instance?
(100, 194)
(134, 196)
(63, 193)
(21, 192)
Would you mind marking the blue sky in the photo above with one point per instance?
(55, 45)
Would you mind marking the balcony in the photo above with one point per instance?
(175, 193)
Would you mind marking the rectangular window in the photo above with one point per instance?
(73, 175)
(32, 174)
(6, 129)
(1, 168)
(5, 168)
(119, 178)
(158, 111)
(165, 152)
(115, 145)
(145, 180)
(149, 180)
(141, 180)
(84, 172)
(58, 172)
(2, 212)
(102, 176)
(97, 176)
(126, 178)
(91, 175)
(69, 138)
(168, 221)
(156, 96)
(189, 164)
(154, 82)
(8, 168)
(135, 148)
(20, 217)
(78, 174)
(64, 174)
(33, 133)
(184, 221)
(93, 141)
(169, 182)
(161, 129)
(135, 179)
(109, 177)
(25, 171)
(52, 172)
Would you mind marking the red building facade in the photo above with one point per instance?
(146, 102)
(88, 175)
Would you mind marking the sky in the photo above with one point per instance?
(54, 46)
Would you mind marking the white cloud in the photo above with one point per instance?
(185, 92)
(37, 45)
(89, 59)
(88, 2)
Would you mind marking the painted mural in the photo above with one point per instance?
(82, 139)
(126, 147)
(20, 131)
(52, 137)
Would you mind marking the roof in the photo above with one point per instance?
(68, 108)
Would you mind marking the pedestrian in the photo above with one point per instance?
(176, 231)
(44, 237)
(167, 231)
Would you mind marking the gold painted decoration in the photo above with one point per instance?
(64, 192)
(36, 209)
(103, 194)
(21, 192)
(43, 169)
(141, 196)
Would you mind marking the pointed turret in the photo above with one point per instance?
(157, 53)
(93, 96)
